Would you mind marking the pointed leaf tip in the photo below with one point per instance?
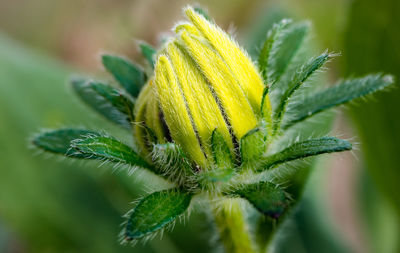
(154, 212)
(303, 149)
(109, 149)
(106, 100)
(129, 75)
(341, 93)
(148, 52)
(59, 141)
(266, 197)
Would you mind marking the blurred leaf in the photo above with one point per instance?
(106, 100)
(51, 206)
(263, 19)
(108, 149)
(307, 232)
(341, 93)
(130, 76)
(371, 44)
(59, 141)
(305, 149)
(266, 197)
(148, 52)
(269, 44)
(156, 211)
(284, 49)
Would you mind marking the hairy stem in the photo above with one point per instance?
(232, 227)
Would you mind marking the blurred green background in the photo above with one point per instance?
(47, 204)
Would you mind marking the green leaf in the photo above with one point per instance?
(270, 43)
(106, 100)
(266, 197)
(59, 141)
(338, 94)
(109, 149)
(283, 49)
(130, 76)
(154, 212)
(304, 149)
(148, 52)
(252, 146)
(299, 77)
(220, 150)
(170, 161)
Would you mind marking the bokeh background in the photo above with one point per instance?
(47, 204)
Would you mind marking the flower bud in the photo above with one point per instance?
(203, 81)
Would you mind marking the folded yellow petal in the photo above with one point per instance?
(241, 65)
(186, 27)
(153, 115)
(201, 103)
(175, 112)
(140, 118)
(220, 77)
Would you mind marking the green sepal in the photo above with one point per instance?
(172, 162)
(148, 52)
(220, 150)
(252, 146)
(59, 141)
(338, 94)
(266, 114)
(106, 148)
(216, 175)
(284, 48)
(270, 43)
(299, 77)
(154, 212)
(129, 75)
(106, 100)
(266, 197)
(152, 137)
(305, 149)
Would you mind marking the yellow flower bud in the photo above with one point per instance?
(203, 81)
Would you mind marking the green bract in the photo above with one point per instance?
(204, 122)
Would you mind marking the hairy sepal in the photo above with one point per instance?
(106, 148)
(252, 147)
(154, 212)
(303, 149)
(59, 141)
(171, 161)
(341, 93)
(108, 101)
(266, 197)
(126, 73)
(299, 77)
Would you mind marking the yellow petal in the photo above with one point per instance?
(186, 27)
(203, 108)
(140, 118)
(153, 115)
(227, 89)
(242, 67)
(175, 112)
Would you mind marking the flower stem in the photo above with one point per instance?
(232, 227)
